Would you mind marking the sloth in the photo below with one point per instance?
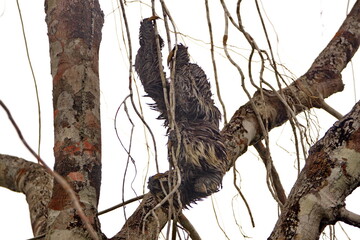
(201, 153)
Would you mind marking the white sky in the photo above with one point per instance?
(303, 29)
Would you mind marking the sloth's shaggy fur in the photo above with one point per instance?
(202, 154)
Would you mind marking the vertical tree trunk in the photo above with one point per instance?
(74, 30)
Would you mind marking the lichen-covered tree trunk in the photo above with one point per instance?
(74, 30)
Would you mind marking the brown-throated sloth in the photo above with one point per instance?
(202, 153)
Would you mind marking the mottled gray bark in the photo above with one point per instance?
(331, 173)
(34, 181)
(321, 81)
(74, 31)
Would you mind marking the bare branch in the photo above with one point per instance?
(120, 205)
(349, 217)
(275, 179)
(133, 228)
(329, 109)
(34, 181)
(320, 81)
(194, 235)
(330, 174)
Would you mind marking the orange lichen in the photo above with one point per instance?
(56, 111)
(72, 149)
(76, 176)
(337, 34)
(89, 146)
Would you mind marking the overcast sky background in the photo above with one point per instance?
(298, 30)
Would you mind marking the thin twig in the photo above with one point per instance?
(278, 188)
(120, 205)
(213, 61)
(116, 130)
(235, 219)
(33, 76)
(217, 219)
(243, 198)
(130, 83)
(172, 123)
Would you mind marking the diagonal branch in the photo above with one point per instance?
(279, 192)
(136, 228)
(330, 174)
(321, 81)
(194, 235)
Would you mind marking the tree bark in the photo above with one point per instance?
(331, 173)
(74, 30)
(321, 81)
(145, 223)
(34, 181)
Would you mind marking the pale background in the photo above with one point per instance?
(299, 31)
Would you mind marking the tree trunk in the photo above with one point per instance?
(74, 30)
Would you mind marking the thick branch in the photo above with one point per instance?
(139, 228)
(320, 81)
(330, 174)
(34, 181)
